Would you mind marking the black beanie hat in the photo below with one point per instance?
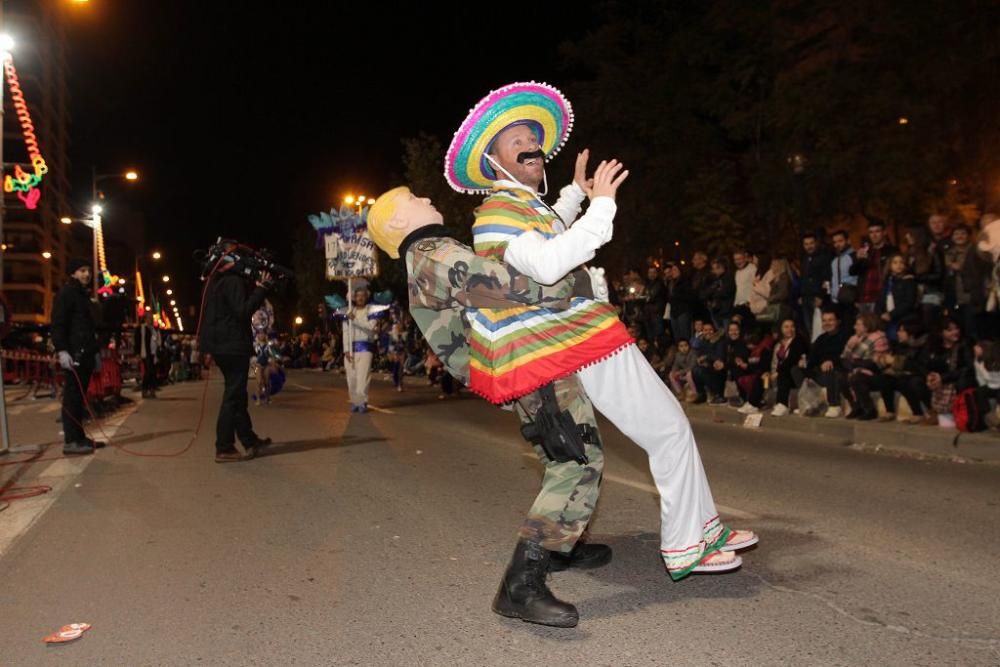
(75, 263)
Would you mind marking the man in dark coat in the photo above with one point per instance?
(815, 281)
(225, 334)
(74, 336)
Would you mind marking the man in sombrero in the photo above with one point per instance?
(500, 151)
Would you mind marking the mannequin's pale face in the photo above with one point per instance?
(512, 142)
(414, 212)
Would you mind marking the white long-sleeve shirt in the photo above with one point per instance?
(547, 256)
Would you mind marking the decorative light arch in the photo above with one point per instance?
(25, 184)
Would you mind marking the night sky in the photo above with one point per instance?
(242, 121)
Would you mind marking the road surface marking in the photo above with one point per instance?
(24, 513)
(300, 386)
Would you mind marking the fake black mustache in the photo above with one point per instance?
(527, 156)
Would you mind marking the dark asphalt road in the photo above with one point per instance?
(379, 539)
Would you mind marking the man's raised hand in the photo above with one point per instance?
(580, 176)
(607, 178)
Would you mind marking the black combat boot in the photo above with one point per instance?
(524, 594)
(583, 557)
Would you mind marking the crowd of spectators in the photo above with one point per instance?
(835, 330)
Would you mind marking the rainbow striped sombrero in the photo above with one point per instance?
(538, 105)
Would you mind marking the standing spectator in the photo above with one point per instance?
(744, 275)
(927, 267)
(843, 283)
(967, 280)
(149, 344)
(950, 367)
(869, 265)
(864, 355)
(680, 298)
(771, 288)
(720, 292)
(940, 230)
(701, 276)
(680, 371)
(74, 337)
(815, 281)
(823, 363)
(656, 304)
(788, 352)
(899, 295)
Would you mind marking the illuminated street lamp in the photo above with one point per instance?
(173, 303)
(131, 176)
(166, 279)
(66, 220)
(298, 321)
(170, 292)
(47, 255)
(157, 255)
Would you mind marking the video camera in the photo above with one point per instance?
(246, 261)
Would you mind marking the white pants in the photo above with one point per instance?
(359, 377)
(626, 390)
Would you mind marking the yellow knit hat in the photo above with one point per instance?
(379, 215)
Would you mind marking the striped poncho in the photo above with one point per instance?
(517, 350)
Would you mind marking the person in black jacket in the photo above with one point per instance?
(656, 304)
(720, 293)
(869, 265)
(788, 352)
(74, 336)
(904, 370)
(681, 298)
(950, 366)
(815, 278)
(899, 295)
(710, 372)
(225, 334)
(823, 363)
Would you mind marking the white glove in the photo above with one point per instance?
(598, 285)
(65, 360)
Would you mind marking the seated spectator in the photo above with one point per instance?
(865, 355)
(904, 369)
(987, 364)
(899, 295)
(749, 380)
(710, 372)
(698, 337)
(823, 363)
(788, 352)
(737, 352)
(681, 380)
(950, 368)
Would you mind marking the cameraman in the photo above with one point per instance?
(74, 336)
(225, 335)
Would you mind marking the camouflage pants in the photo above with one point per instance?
(569, 492)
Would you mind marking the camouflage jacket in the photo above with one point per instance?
(445, 278)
